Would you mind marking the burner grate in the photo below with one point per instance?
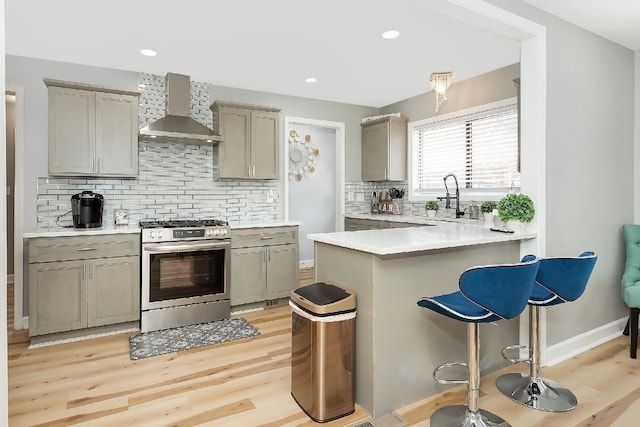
(183, 223)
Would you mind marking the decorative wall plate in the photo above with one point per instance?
(302, 156)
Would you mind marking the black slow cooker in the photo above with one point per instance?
(86, 208)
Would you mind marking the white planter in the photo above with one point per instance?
(517, 227)
(431, 213)
(488, 218)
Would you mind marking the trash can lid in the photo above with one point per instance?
(324, 299)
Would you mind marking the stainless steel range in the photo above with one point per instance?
(185, 273)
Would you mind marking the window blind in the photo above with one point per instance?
(480, 147)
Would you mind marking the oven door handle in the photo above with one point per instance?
(182, 248)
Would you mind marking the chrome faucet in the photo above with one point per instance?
(448, 197)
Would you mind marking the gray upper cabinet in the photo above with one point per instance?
(250, 144)
(93, 131)
(384, 149)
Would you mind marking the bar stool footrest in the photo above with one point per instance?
(454, 380)
(511, 348)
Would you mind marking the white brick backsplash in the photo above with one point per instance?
(175, 179)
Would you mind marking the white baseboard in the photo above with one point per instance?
(568, 348)
(306, 263)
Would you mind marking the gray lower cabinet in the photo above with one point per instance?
(264, 263)
(384, 149)
(93, 131)
(83, 282)
(250, 144)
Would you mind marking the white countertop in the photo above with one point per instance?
(74, 232)
(264, 224)
(129, 229)
(436, 235)
(414, 219)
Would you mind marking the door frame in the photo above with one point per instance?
(339, 127)
(19, 321)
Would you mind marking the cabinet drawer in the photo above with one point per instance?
(249, 237)
(46, 249)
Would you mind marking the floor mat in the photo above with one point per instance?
(165, 341)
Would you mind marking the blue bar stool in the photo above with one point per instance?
(558, 280)
(487, 293)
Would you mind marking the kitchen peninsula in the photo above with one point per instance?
(397, 344)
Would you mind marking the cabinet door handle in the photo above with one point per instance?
(386, 174)
(86, 249)
(264, 255)
(268, 255)
(90, 270)
(253, 171)
(98, 165)
(266, 238)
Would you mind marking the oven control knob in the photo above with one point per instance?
(152, 234)
(209, 232)
(223, 231)
(216, 232)
(159, 234)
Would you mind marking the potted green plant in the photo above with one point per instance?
(516, 210)
(487, 208)
(431, 207)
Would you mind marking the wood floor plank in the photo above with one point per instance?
(247, 383)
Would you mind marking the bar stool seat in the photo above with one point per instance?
(558, 280)
(487, 294)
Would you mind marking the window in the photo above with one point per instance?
(479, 146)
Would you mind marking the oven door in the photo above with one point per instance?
(177, 273)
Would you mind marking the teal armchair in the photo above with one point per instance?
(630, 285)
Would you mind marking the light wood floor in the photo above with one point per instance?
(247, 383)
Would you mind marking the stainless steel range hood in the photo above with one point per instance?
(177, 125)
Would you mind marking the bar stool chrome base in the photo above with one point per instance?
(537, 393)
(461, 416)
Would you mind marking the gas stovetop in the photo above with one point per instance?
(183, 223)
(181, 230)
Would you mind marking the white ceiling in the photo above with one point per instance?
(269, 46)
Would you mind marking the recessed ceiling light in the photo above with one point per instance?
(310, 80)
(148, 52)
(391, 34)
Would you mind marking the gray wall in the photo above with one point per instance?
(29, 72)
(312, 200)
(589, 160)
(312, 109)
(483, 89)
(637, 140)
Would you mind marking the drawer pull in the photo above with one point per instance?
(266, 238)
(86, 249)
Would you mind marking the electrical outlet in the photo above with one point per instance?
(350, 196)
(359, 197)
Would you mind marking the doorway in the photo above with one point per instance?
(10, 105)
(314, 190)
(14, 128)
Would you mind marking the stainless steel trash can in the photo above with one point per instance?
(323, 350)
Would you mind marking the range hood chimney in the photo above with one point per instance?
(177, 125)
